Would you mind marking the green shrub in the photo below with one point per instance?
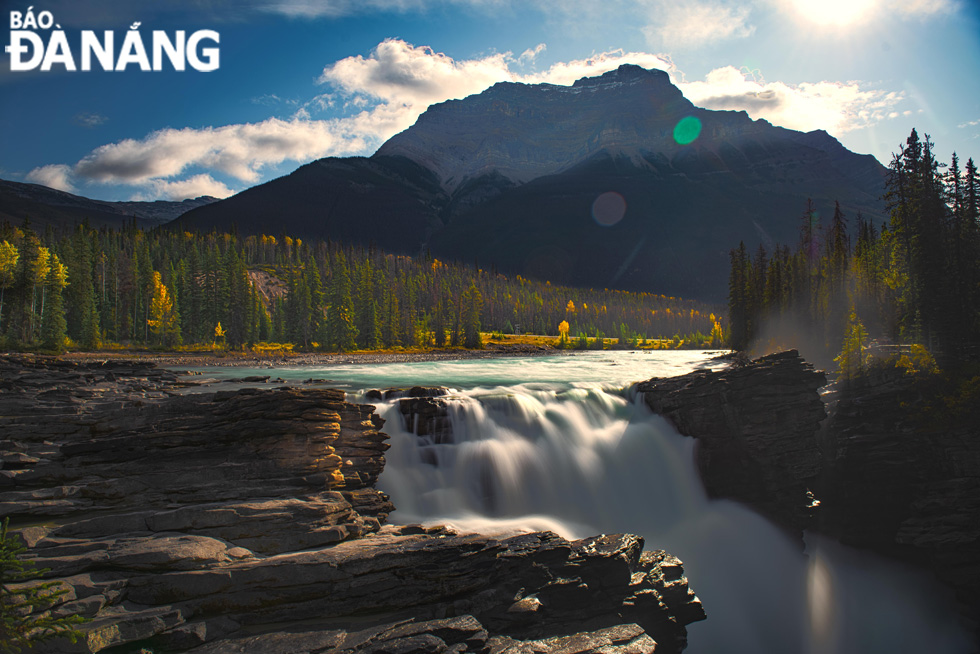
(24, 616)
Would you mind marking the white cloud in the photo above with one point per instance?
(565, 73)
(241, 151)
(402, 80)
(57, 176)
(89, 120)
(678, 25)
(398, 72)
(191, 187)
(971, 123)
(531, 53)
(836, 107)
(267, 99)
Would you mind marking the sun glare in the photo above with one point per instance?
(840, 13)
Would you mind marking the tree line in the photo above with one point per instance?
(89, 288)
(913, 279)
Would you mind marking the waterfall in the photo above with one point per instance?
(580, 459)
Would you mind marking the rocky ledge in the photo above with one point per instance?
(248, 521)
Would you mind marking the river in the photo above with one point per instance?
(555, 442)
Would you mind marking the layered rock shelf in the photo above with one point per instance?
(248, 521)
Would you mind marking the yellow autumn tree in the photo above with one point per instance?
(717, 333)
(219, 334)
(8, 266)
(563, 333)
(39, 269)
(163, 320)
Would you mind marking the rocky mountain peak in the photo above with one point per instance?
(625, 74)
(523, 131)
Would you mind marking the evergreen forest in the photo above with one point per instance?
(166, 289)
(913, 280)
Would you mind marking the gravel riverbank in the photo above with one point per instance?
(201, 359)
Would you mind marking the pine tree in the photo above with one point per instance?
(368, 324)
(82, 307)
(772, 295)
(53, 324)
(143, 273)
(266, 332)
(439, 325)
(311, 275)
(279, 330)
(234, 286)
(192, 292)
(341, 330)
(390, 333)
(755, 292)
(298, 315)
(738, 306)
(472, 301)
(90, 337)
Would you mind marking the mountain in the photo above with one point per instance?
(45, 206)
(584, 185)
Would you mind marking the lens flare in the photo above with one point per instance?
(687, 130)
(609, 208)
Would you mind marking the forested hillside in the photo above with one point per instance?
(913, 279)
(170, 288)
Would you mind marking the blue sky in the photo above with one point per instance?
(303, 79)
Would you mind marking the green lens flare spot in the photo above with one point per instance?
(687, 130)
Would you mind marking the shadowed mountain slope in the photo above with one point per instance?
(44, 206)
(522, 176)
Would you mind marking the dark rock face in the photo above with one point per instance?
(883, 480)
(175, 521)
(756, 428)
(896, 485)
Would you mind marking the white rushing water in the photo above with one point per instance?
(554, 443)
